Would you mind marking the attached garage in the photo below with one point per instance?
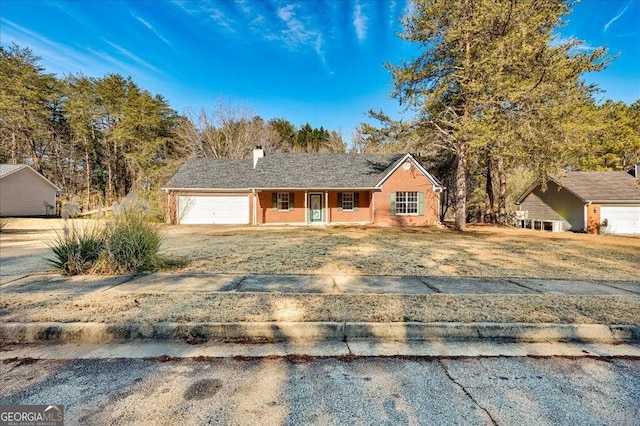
(213, 209)
(624, 219)
(607, 202)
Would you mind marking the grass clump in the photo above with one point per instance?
(127, 244)
(131, 244)
(76, 249)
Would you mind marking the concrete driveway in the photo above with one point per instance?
(22, 253)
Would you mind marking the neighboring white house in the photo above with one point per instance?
(25, 192)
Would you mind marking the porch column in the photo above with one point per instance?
(306, 208)
(326, 198)
(373, 207)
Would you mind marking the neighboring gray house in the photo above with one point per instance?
(25, 192)
(586, 201)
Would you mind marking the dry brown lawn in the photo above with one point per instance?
(483, 251)
(240, 307)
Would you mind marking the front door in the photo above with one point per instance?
(315, 208)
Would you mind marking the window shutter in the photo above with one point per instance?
(339, 200)
(393, 204)
(274, 201)
(421, 203)
(356, 199)
(291, 201)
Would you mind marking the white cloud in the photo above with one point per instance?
(210, 13)
(360, 22)
(615, 18)
(62, 57)
(133, 57)
(152, 29)
(296, 33)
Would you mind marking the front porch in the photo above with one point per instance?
(313, 207)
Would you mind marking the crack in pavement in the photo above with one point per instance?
(610, 285)
(234, 285)
(527, 287)
(430, 286)
(237, 287)
(466, 392)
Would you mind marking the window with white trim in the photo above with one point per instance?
(406, 203)
(347, 201)
(283, 201)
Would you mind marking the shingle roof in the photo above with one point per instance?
(7, 169)
(602, 186)
(322, 171)
(201, 173)
(290, 171)
(596, 187)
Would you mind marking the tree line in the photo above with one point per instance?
(101, 138)
(494, 100)
(498, 98)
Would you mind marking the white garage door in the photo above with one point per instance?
(621, 219)
(213, 210)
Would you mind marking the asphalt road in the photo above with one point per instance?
(292, 391)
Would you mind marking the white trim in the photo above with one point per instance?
(328, 212)
(238, 190)
(434, 182)
(320, 189)
(306, 208)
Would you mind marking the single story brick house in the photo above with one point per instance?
(284, 188)
(586, 201)
(25, 192)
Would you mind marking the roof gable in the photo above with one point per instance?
(10, 169)
(408, 157)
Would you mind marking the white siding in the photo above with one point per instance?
(24, 193)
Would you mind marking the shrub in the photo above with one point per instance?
(127, 244)
(131, 244)
(76, 249)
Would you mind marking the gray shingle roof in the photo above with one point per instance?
(290, 171)
(7, 169)
(602, 186)
(322, 171)
(201, 173)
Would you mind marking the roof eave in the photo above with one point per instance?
(613, 201)
(170, 188)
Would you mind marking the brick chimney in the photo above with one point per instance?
(258, 153)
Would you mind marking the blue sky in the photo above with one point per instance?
(306, 61)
